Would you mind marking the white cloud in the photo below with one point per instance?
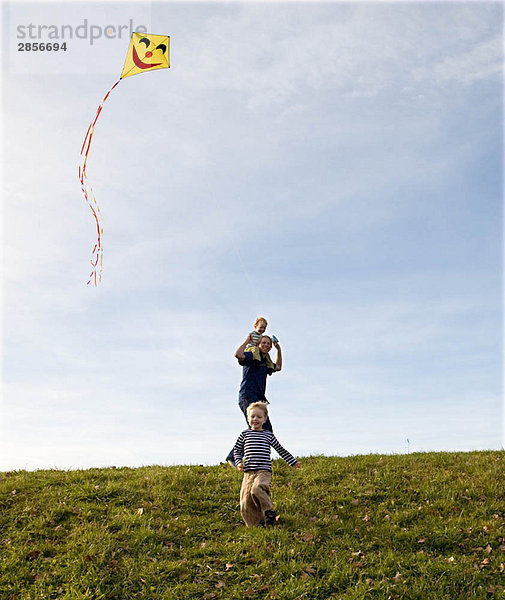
(482, 61)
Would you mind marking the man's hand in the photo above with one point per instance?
(297, 465)
(239, 352)
(278, 359)
(241, 467)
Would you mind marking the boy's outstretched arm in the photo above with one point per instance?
(282, 452)
(297, 465)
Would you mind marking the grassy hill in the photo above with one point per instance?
(418, 526)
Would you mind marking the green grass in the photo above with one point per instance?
(416, 526)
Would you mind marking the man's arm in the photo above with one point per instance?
(278, 360)
(239, 352)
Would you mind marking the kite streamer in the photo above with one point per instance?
(146, 52)
(87, 190)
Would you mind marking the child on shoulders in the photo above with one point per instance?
(260, 326)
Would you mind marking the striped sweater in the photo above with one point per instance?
(254, 448)
(255, 337)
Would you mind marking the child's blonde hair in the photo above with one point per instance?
(261, 405)
(260, 319)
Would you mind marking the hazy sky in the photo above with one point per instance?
(335, 167)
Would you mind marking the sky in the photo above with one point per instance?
(335, 167)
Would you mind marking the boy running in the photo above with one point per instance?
(252, 456)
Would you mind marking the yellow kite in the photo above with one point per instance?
(146, 52)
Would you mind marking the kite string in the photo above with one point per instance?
(97, 252)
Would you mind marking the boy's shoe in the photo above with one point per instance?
(271, 517)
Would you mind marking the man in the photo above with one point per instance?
(256, 366)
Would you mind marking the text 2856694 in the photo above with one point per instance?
(42, 47)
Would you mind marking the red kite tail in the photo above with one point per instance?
(97, 254)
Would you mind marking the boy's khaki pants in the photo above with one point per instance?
(255, 496)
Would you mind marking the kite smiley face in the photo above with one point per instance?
(146, 53)
(143, 50)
